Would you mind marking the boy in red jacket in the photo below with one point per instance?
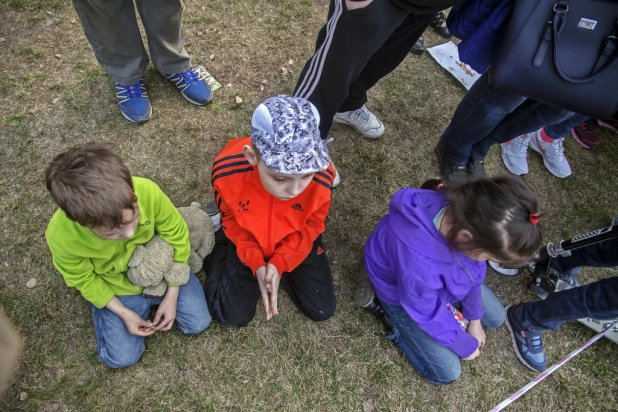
(273, 190)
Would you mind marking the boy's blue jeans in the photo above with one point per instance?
(117, 348)
(486, 116)
(597, 300)
(435, 362)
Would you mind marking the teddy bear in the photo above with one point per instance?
(152, 264)
(201, 234)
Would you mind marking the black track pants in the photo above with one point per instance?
(232, 292)
(354, 50)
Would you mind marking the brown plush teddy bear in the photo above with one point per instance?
(152, 264)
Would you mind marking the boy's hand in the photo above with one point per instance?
(268, 279)
(272, 286)
(166, 314)
(134, 322)
(261, 275)
(476, 329)
(136, 325)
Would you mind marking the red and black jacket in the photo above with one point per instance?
(264, 228)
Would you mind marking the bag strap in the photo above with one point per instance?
(609, 46)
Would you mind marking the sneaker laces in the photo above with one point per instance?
(521, 146)
(556, 150)
(361, 114)
(188, 77)
(134, 91)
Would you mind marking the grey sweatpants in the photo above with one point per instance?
(112, 30)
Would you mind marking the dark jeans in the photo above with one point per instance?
(435, 362)
(355, 49)
(556, 131)
(598, 300)
(487, 116)
(233, 292)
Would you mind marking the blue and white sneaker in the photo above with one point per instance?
(134, 102)
(192, 84)
(528, 344)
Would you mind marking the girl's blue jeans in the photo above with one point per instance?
(117, 348)
(435, 362)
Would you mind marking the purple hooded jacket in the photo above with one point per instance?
(411, 265)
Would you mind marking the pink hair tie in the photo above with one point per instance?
(440, 185)
(534, 218)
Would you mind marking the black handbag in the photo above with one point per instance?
(563, 53)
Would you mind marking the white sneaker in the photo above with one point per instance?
(552, 153)
(365, 122)
(515, 155)
(337, 179)
(501, 270)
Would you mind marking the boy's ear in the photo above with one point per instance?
(249, 153)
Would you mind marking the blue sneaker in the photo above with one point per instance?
(134, 102)
(528, 343)
(192, 84)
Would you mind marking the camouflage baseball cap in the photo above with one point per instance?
(285, 130)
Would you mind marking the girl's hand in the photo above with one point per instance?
(475, 329)
(474, 355)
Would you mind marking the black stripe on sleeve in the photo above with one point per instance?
(325, 176)
(223, 159)
(318, 181)
(232, 172)
(228, 165)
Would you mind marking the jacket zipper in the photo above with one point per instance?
(270, 213)
(121, 255)
(122, 247)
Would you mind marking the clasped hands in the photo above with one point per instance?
(268, 279)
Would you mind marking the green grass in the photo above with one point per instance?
(34, 5)
(289, 363)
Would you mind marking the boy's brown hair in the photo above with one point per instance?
(92, 185)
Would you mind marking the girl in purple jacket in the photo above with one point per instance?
(427, 255)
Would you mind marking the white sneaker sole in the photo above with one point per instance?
(138, 121)
(196, 102)
(503, 271)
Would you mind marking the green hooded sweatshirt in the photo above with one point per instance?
(98, 267)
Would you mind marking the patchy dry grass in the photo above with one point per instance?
(49, 103)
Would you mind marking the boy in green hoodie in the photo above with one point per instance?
(104, 215)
